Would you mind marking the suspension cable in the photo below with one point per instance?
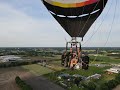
(88, 18)
(111, 24)
(109, 31)
(99, 25)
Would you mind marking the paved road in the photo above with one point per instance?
(41, 83)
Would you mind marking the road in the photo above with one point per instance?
(41, 83)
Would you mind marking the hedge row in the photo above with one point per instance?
(17, 63)
(22, 84)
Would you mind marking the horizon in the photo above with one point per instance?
(58, 47)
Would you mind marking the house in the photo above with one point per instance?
(113, 70)
(9, 58)
(95, 76)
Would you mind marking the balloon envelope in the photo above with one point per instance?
(75, 16)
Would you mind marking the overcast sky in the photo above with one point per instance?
(27, 23)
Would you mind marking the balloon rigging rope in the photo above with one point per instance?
(99, 25)
(88, 19)
(81, 19)
(109, 32)
(98, 28)
(111, 24)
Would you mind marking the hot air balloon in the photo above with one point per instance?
(75, 16)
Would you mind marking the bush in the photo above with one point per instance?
(91, 86)
(118, 77)
(112, 84)
(17, 63)
(75, 87)
(103, 87)
(22, 84)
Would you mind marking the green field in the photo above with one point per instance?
(104, 59)
(55, 70)
(52, 75)
(37, 69)
(92, 70)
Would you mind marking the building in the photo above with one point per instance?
(113, 70)
(95, 76)
(9, 58)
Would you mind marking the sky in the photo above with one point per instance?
(27, 23)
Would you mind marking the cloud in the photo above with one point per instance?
(27, 23)
(19, 29)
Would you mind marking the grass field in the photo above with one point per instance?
(37, 69)
(105, 59)
(32, 74)
(47, 58)
(92, 70)
(56, 69)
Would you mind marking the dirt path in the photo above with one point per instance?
(7, 77)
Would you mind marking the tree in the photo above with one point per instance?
(91, 86)
(75, 87)
(103, 87)
(22, 84)
(117, 77)
(112, 83)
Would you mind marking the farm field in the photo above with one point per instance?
(7, 77)
(42, 78)
(37, 69)
(92, 70)
(35, 74)
(32, 74)
(104, 59)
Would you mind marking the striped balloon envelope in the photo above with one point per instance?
(75, 16)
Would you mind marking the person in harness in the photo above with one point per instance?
(79, 55)
(63, 57)
(66, 58)
(74, 60)
(85, 62)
